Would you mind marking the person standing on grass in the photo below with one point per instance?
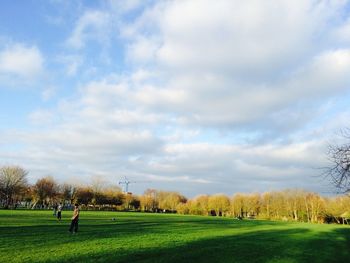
(59, 212)
(75, 218)
(54, 207)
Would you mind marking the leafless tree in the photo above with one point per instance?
(45, 190)
(12, 181)
(69, 192)
(339, 170)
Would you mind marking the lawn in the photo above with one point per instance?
(35, 236)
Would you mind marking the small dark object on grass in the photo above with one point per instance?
(113, 219)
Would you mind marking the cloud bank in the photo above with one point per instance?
(209, 97)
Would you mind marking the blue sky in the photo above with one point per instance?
(191, 96)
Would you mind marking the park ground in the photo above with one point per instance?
(36, 236)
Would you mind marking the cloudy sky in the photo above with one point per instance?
(195, 96)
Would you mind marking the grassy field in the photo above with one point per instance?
(35, 236)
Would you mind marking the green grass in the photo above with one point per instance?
(35, 236)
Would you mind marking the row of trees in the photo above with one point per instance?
(297, 205)
(15, 190)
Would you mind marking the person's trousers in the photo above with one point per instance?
(74, 225)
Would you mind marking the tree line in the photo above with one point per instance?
(15, 191)
(287, 205)
(292, 204)
(45, 192)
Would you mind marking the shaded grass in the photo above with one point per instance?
(35, 236)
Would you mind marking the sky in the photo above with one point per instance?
(194, 96)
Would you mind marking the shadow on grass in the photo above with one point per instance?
(185, 240)
(292, 245)
(54, 233)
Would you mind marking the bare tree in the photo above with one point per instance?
(12, 181)
(339, 170)
(69, 193)
(84, 195)
(45, 191)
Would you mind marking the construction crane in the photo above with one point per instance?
(126, 183)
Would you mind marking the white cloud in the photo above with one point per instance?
(234, 36)
(178, 179)
(342, 33)
(202, 81)
(48, 93)
(236, 64)
(41, 117)
(142, 50)
(21, 60)
(71, 62)
(122, 7)
(91, 26)
(233, 168)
